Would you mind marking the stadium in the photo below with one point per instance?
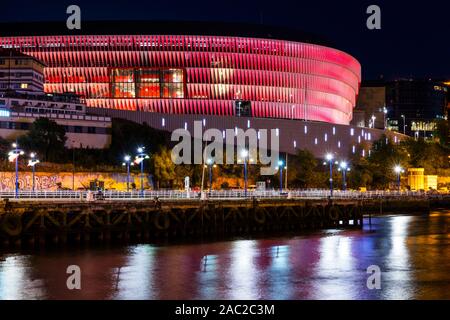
(171, 74)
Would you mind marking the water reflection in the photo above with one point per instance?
(412, 252)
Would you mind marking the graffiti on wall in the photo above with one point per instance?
(51, 181)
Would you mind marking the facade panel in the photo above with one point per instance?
(199, 74)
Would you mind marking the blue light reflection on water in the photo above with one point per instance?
(413, 253)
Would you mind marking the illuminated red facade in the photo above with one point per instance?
(213, 75)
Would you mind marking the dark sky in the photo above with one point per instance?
(414, 40)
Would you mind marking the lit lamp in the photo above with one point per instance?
(404, 123)
(140, 157)
(244, 155)
(329, 157)
(398, 170)
(373, 121)
(32, 163)
(343, 166)
(280, 167)
(127, 162)
(209, 162)
(13, 156)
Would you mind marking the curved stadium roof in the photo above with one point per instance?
(161, 28)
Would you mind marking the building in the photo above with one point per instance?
(417, 180)
(172, 74)
(18, 111)
(20, 72)
(404, 105)
(371, 108)
(414, 105)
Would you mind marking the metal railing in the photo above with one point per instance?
(214, 195)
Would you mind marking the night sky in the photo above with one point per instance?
(414, 40)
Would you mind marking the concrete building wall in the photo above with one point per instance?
(74, 139)
(318, 137)
(49, 181)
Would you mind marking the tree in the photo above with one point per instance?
(46, 138)
(428, 155)
(442, 133)
(384, 157)
(302, 170)
(361, 172)
(127, 136)
(164, 168)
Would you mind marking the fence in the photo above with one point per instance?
(215, 194)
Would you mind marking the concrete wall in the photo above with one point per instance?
(49, 180)
(90, 140)
(318, 137)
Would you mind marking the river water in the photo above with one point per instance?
(412, 252)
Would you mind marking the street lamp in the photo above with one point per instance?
(13, 155)
(32, 163)
(373, 121)
(209, 162)
(329, 157)
(398, 170)
(280, 167)
(385, 111)
(127, 162)
(404, 123)
(140, 157)
(244, 155)
(343, 166)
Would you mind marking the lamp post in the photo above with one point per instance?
(373, 118)
(330, 158)
(398, 170)
(280, 167)
(13, 155)
(244, 155)
(127, 163)
(32, 163)
(343, 166)
(404, 123)
(385, 111)
(210, 165)
(140, 157)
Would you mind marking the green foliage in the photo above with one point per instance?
(302, 170)
(127, 136)
(428, 155)
(164, 168)
(385, 155)
(442, 133)
(47, 139)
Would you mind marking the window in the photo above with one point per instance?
(147, 83)
(123, 83)
(172, 90)
(91, 129)
(24, 85)
(78, 129)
